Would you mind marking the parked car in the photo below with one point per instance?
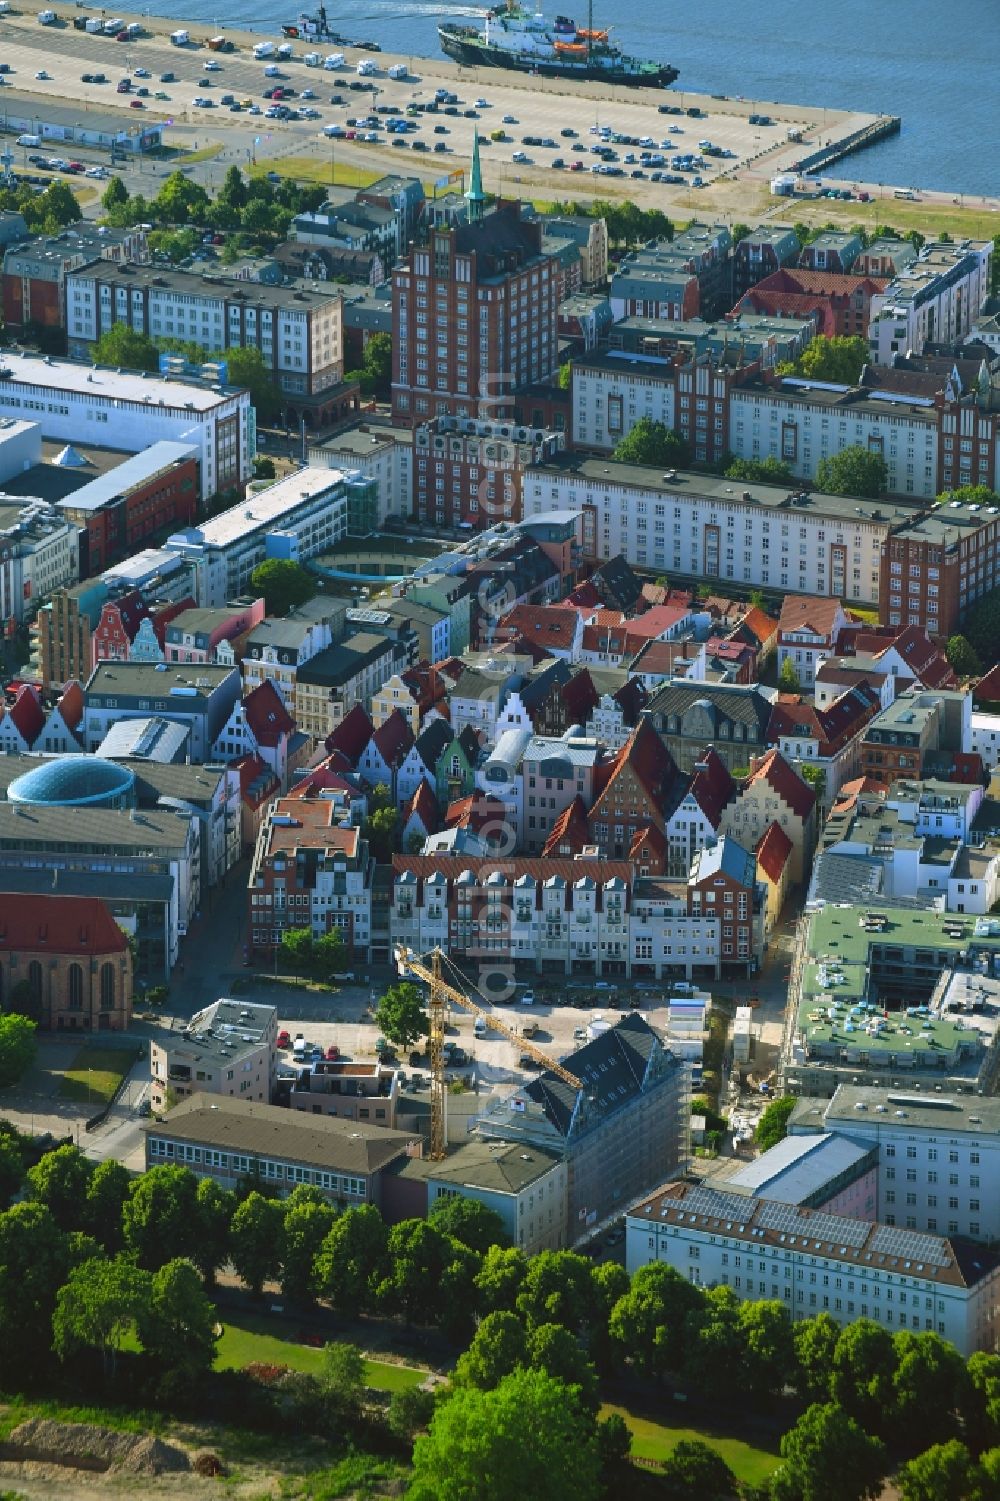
(528, 998)
(284, 1039)
(332, 1053)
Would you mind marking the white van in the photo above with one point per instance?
(29, 140)
(334, 131)
(285, 50)
(261, 49)
(479, 1027)
(93, 25)
(114, 26)
(180, 38)
(299, 1048)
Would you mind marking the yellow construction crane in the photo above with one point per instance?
(440, 991)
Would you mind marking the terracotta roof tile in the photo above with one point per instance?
(479, 812)
(59, 924)
(266, 714)
(649, 759)
(549, 625)
(987, 690)
(784, 782)
(422, 805)
(71, 704)
(711, 785)
(351, 735)
(772, 850)
(258, 783)
(569, 833)
(810, 612)
(393, 738)
(580, 697)
(833, 726)
(27, 714)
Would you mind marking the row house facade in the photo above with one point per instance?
(828, 740)
(310, 872)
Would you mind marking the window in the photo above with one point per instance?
(74, 987)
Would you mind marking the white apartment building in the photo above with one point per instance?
(986, 738)
(39, 552)
(798, 422)
(939, 1154)
(299, 333)
(382, 454)
(820, 1263)
(612, 391)
(665, 939)
(74, 403)
(935, 299)
(297, 517)
(717, 529)
(228, 1048)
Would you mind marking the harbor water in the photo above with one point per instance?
(932, 63)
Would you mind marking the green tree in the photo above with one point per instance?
(417, 1274)
(17, 1048)
(768, 1348)
(297, 950)
(816, 777)
(176, 244)
(307, 1223)
(768, 471)
(246, 371)
(565, 377)
(500, 1279)
(341, 1378)
(256, 1240)
(376, 365)
(943, 1472)
(181, 201)
(838, 359)
(788, 678)
(929, 1383)
(160, 1218)
(853, 471)
(100, 1305)
(647, 1323)
(58, 207)
(263, 467)
(234, 189)
(962, 658)
(982, 1400)
(861, 1382)
(410, 1412)
(59, 1181)
(107, 1190)
(528, 1437)
(34, 1259)
(693, 1468)
(11, 1163)
(557, 1290)
(176, 1328)
(654, 444)
(351, 1261)
(827, 1456)
(773, 1124)
(330, 954)
(115, 195)
(125, 349)
(497, 1348)
(381, 830)
(557, 1352)
(713, 1340)
(815, 1341)
(476, 1225)
(400, 1014)
(609, 1282)
(214, 1210)
(971, 495)
(284, 585)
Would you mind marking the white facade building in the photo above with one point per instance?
(935, 299)
(382, 454)
(73, 403)
(39, 552)
(799, 421)
(298, 517)
(815, 1263)
(717, 529)
(986, 738)
(614, 391)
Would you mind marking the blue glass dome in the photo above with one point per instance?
(75, 782)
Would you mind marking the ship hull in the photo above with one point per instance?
(478, 55)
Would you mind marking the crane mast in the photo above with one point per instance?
(441, 991)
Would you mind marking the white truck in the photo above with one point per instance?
(46, 18)
(93, 25)
(263, 49)
(114, 26)
(312, 59)
(333, 60)
(180, 38)
(398, 70)
(365, 67)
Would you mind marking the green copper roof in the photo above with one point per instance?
(475, 192)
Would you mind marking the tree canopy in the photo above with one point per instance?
(476, 1225)
(125, 349)
(653, 443)
(767, 471)
(853, 471)
(99, 1306)
(827, 1456)
(839, 359)
(400, 1014)
(284, 584)
(17, 1048)
(773, 1124)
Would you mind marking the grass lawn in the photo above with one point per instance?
(254, 1340)
(203, 154)
(656, 1440)
(95, 1074)
(317, 169)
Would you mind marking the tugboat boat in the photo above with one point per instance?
(517, 38)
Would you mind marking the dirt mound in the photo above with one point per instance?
(84, 1446)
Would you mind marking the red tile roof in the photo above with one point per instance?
(422, 805)
(266, 714)
(538, 869)
(351, 735)
(583, 595)
(711, 786)
(71, 705)
(810, 612)
(479, 812)
(987, 690)
(831, 727)
(393, 738)
(570, 832)
(772, 850)
(650, 838)
(649, 759)
(784, 782)
(327, 776)
(27, 714)
(580, 696)
(161, 618)
(258, 783)
(58, 924)
(548, 625)
(860, 787)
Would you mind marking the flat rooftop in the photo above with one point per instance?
(186, 684)
(799, 1168)
(101, 384)
(139, 469)
(224, 1030)
(263, 509)
(876, 1106)
(685, 484)
(161, 279)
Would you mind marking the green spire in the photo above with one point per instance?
(475, 196)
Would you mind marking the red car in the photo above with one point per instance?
(136, 104)
(284, 1039)
(332, 1053)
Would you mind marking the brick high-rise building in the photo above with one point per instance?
(474, 318)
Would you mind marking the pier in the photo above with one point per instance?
(856, 140)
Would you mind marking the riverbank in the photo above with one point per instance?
(737, 186)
